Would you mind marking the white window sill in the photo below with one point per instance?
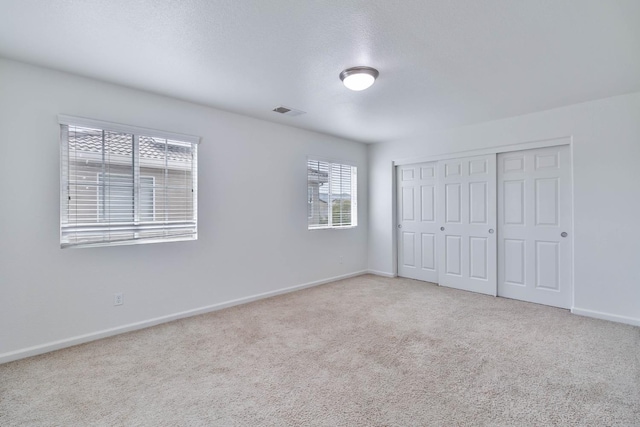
(346, 227)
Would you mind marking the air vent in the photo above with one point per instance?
(288, 111)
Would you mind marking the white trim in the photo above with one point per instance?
(332, 227)
(381, 273)
(81, 339)
(64, 119)
(332, 160)
(527, 145)
(606, 316)
(394, 219)
(573, 227)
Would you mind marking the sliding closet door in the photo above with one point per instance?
(535, 222)
(417, 221)
(467, 217)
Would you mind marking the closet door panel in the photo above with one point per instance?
(466, 236)
(417, 210)
(535, 224)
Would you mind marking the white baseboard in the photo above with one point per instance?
(81, 339)
(606, 316)
(380, 273)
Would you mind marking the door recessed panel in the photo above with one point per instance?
(407, 175)
(427, 172)
(452, 203)
(478, 167)
(478, 257)
(513, 195)
(547, 161)
(514, 262)
(478, 203)
(452, 169)
(547, 265)
(427, 208)
(513, 164)
(547, 201)
(453, 254)
(428, 251)
(409, 249)
(407, 204)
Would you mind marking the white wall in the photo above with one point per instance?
(51, 297)
(253, 236)
(606, 150)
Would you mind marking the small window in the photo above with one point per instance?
(125, 185)
(331, 195)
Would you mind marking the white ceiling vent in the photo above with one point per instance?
(288, 111)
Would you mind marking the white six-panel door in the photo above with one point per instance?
(417, 221)
(535, 221)
(466, 243)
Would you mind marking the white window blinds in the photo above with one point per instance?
(123, 185)
(332, 200)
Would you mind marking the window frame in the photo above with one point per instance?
(353, 199)
(136, 132)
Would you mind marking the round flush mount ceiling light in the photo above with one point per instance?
(359, 78)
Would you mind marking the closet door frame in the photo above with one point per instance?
(566, 140)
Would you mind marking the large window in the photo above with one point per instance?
(332, 195)
(124, 185)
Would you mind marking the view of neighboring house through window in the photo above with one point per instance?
(332, 195)
(125, 186)
(118, 204)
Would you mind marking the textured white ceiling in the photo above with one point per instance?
(442, 63)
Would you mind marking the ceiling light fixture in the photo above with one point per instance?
(359, 78)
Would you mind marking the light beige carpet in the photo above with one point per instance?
(360, 352)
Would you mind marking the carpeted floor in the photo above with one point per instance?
(360, 352)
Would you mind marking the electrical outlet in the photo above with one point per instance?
(118, 299)
(340, 260)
